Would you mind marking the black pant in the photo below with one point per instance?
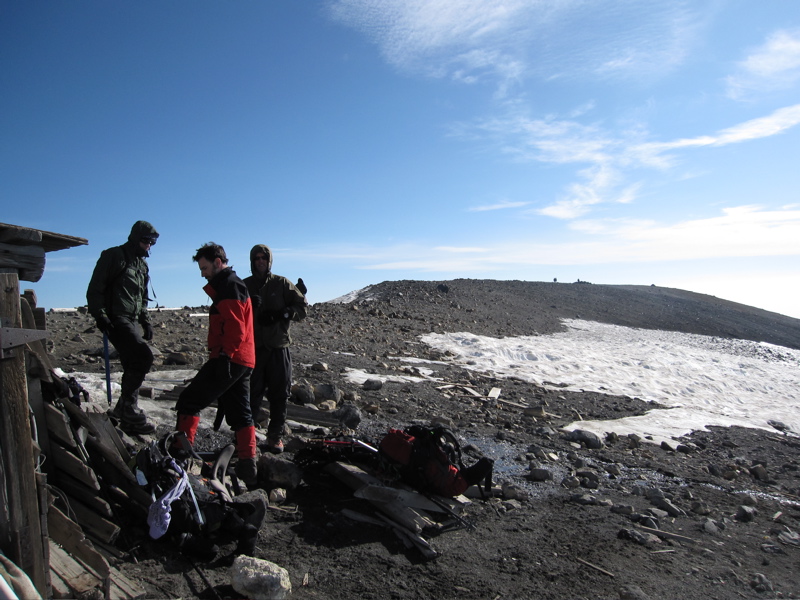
(232, 393)
(135, 354)
(273, 375)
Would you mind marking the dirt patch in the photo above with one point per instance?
(562, 541)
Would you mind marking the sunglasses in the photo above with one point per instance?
(149, 240)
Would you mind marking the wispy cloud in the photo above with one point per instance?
(773, 66)
(506, 40)
(504, 204)
(607, 156)
(737, 232)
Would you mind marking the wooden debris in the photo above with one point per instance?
(382, 493)
(355, 478)
(667, 534)
(588, 564)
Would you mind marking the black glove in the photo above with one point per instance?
(300, 285)
(104, 324)
(256, 301)
(224, 367)
(147, 331)
(266, 317)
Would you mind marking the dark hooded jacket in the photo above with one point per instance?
(118, 287)
(279, 296)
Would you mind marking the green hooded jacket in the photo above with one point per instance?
(118, 287)
(278, 294)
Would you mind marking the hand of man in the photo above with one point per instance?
(266, 317)
(224, 366)
(104, 324)
(256, 301)
(147, 331)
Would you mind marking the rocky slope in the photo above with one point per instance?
(727, 499)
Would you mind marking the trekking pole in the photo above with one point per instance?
(108, 368)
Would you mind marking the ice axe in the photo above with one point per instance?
(108, 367)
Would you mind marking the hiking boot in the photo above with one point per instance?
(274, 445)
(247, 471)
(137, 427)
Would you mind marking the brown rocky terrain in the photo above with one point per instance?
(725, 502)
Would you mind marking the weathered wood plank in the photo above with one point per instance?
(71, 571)
(23, 526)
(76, 489)
(68, 534)
(74, 466)
(93, 524)
(58, 426)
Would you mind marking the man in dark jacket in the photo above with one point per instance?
(117, 299)
(279, 303)
(226, 375)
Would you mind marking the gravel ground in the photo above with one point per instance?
(552, 542)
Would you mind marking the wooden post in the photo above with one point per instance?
(21, 536)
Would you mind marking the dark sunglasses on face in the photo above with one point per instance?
(149, 240)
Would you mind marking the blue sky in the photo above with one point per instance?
(616, 142)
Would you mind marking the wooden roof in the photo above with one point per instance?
(25, 236)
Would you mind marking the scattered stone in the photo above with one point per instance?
(760, 583)
(372, 385)
(634, 441)
(668, 506)
(613, 470)
(177, 358)
(589, 439)
(747, 498)
(540, 474)
(700, 508)
(632, 592)
(303, 393)
(686, 448)
(789, 537)
(259, 579)
(277, 496)
(709, 526)
(327, 405)
(571, 482)
(771, 548)
(622, 509)
(513, 492)
(326, 391)
(585, 499)
(640, 537)
(278, 472)
(745, 514)
(759, 472)
(319, 366)
(665, 445)
(348, 415)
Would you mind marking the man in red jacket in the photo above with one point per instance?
(226, 375)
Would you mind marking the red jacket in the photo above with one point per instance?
(230, 319)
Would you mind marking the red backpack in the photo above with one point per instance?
(429, 459)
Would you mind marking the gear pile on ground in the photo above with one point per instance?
(714, 515)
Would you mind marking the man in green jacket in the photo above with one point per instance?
(117, 299)
(279, 302)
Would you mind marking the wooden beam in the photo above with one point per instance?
(27, 260)
(21, 537)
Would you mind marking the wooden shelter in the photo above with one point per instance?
(23, 520)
